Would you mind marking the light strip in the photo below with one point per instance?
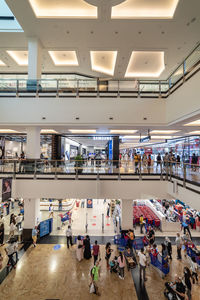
(194, 132)
(121, 131)
(82, 130)
(164, 131)
(194, 123)
(2, 64)
(48, 131)
(8, 131)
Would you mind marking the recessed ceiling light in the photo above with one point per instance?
(194, 132)
(121, 131)
(155, 137)
(48, 131)
(20, 57)
(107, 65)
(64, 58)
(137, 67)
(63, 9)
(8, 131)
(144, 9)
(194, 123)
(90, 131)
(2, 64)
(164, 131)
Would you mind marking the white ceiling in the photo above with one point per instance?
(176, 36)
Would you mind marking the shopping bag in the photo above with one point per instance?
(92, 288)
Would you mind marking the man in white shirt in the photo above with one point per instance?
(142, 264)
(69, 236)
(18, 220)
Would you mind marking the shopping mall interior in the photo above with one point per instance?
(99, 149)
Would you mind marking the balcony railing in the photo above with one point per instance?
(100, 169)
(67, 88)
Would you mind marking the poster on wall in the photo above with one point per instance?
(89, 203)
(6, 189)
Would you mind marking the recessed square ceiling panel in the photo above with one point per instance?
(63, 9)
(145, 64)
(2, 64)
(145, 9)
(20, 57)
(103, 61)
(64, 58)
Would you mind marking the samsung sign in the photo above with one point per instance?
(145, 139)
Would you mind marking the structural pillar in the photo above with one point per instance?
(34, 58)
(116, 151)
(56, 147)
(127, 214)
(31, 217)
(80, 149)
(33, 143)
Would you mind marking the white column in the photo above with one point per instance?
(31, 213)
(90, 149)
(34, 58)
(127, 214)
(33, 143)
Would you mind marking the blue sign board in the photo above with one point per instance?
(46, 227)
(145, 139)
(110, 150)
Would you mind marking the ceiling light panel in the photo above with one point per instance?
(20, 57)
(103, 61)
(145, 9)
(194, 132)
(64, 9)
(164, 131)
(2, 63)
(48, 131)
(115, 131)
(145, 64)
(194, 123)
(90, 131)
(8, 131)
(64, 58)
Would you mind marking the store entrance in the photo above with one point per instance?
(95, 217)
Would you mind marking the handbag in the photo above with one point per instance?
(80, 246)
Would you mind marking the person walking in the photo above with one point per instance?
(82, 203)
(142, 264)
(168, 244)
(187, 276)
(108, 254)
(95, 274)
(185, 227)
(141, 224)
(79, 249)
(51, 211)
(87, 247)
(12, 203)
(12, 229)
(34, 235)
(121, 262)
(108, 210)
(1, 234)
(149, 163)
(10, 249)
(178, 245)
(96, 251)
(69, 236)
(197, 222)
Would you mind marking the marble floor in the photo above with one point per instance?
(44, 273)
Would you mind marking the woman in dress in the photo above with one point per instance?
(87, 247)
(79, 249)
